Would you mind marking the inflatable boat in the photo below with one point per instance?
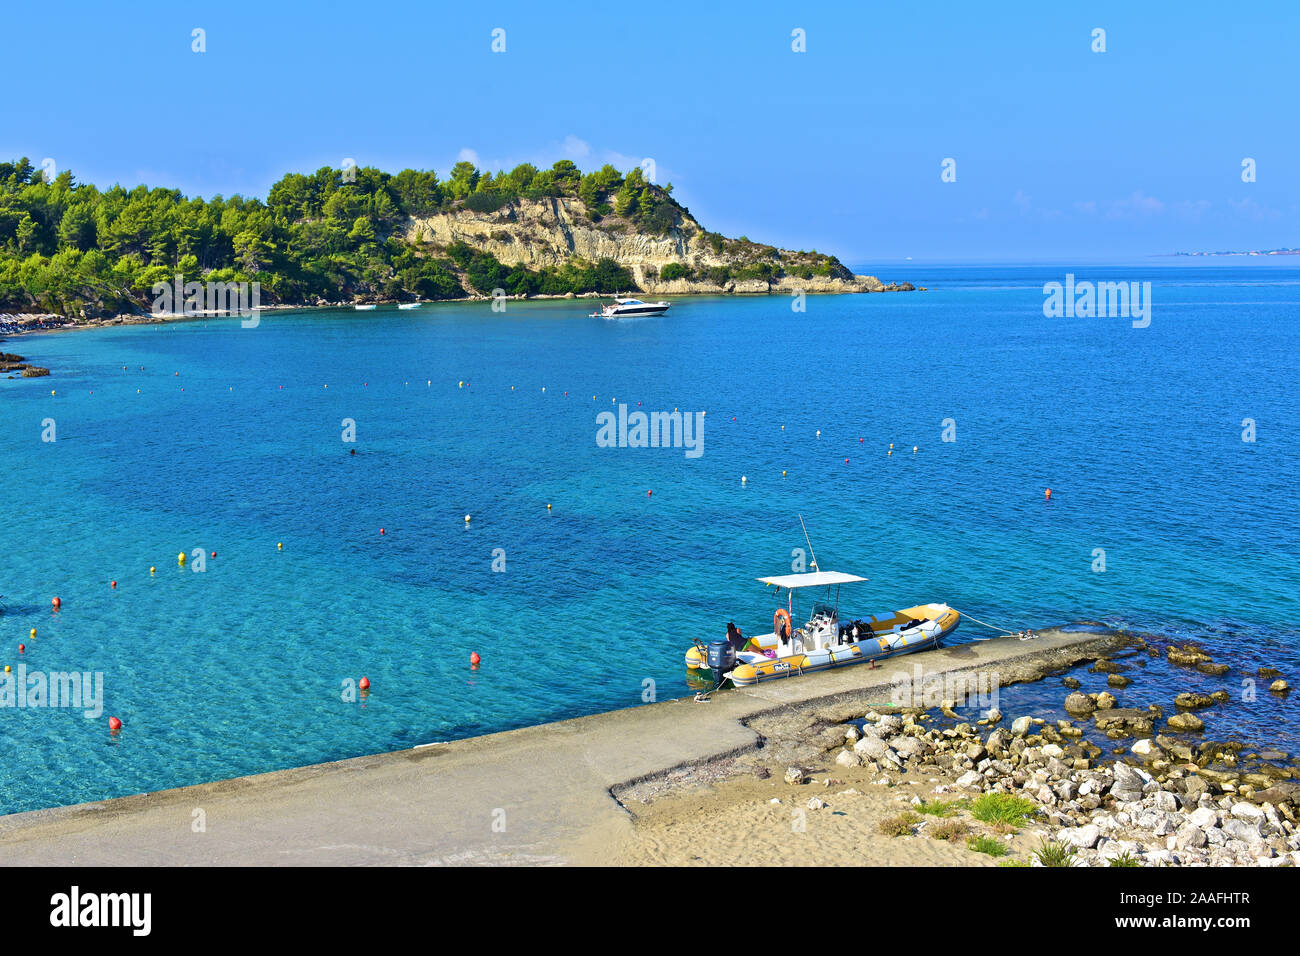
(825, 641)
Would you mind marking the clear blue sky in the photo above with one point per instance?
(1060, 151)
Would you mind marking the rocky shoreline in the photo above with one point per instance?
(1030, 790)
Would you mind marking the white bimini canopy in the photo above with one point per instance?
(812, 580)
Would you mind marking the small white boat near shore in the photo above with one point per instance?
(826, 640)
(629, 309)
(365, 308)
(409, 305)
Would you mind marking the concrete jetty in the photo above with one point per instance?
(540, 795)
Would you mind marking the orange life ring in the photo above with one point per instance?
(782, 615)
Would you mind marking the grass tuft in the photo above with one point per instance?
(899, 825)
(987, 844)
(1002, 808)
(1054, 854)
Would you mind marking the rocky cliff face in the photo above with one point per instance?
(538, 234)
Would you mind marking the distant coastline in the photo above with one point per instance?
(1253, 252)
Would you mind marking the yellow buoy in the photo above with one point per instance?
(6, 668)
(33, 633)
(153, 570)
(279, 546)
(180, 558)
(548, 507)
(783, 474)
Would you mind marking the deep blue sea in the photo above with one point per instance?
(206, 435)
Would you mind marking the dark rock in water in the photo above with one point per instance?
(1080, 704)
(32, 371)
(1118, 680)
(1208, 667)
(1104, 666)
(1222, 696)
(1188, 655)
(1269, 672)
(1185, 723)
(1175, 747)
(1071, 682)
(1283, 791)
(1128, 721)
(1193, 701)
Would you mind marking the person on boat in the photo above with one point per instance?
(735, 638)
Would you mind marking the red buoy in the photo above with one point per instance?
(381, 531)
(22, 648)
(56, 603)
(474, 659)
(846, 461)
(114, 585)
(114, 724)
(364, 683)
(214, 554)
(649, 493)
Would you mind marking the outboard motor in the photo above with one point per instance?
(722, 658)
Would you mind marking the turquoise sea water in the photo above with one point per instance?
(232, 443)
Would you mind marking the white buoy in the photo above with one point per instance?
(819, 433)
(743, 479)
(467, 519)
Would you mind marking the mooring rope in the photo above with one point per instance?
(1004, 630)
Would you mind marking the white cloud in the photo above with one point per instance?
(576, 148)
(467, 155)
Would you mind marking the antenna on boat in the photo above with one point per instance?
(809, 542)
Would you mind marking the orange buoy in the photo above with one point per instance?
(56, 603)
(114, 724)
(364, 683)
(1048, 494)
(474, 659)
(846, 461)
(649, 493)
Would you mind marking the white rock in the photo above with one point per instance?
(1204, 817)
(1248, 812)
(1146, 748)
(1052, 750)
(847, 758)
(970, 780)
(1164, 800)
(1081, 838)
